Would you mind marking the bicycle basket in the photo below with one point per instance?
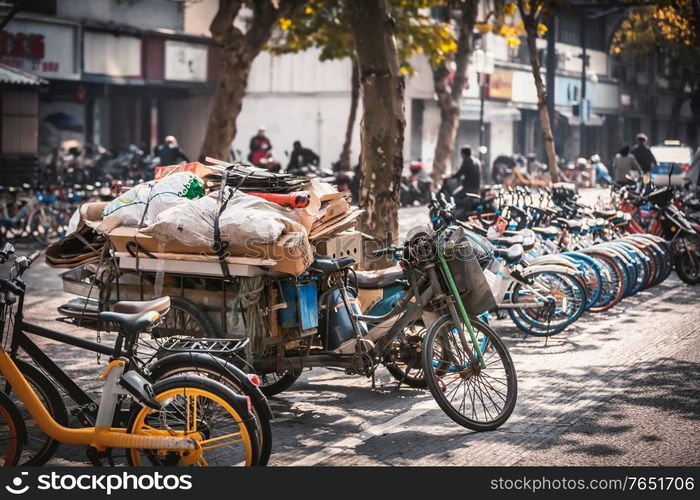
(467, 273)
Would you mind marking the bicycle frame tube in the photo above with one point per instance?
(460, 307)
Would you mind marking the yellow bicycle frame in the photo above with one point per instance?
(100, 438)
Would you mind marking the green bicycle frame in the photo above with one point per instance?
(460, 305)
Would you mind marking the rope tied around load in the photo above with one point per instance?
(248, 301)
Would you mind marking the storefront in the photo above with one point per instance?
(19, 123)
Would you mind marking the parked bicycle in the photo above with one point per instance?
(178, 417)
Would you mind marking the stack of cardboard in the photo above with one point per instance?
(335, 214)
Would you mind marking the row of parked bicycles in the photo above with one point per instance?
(41, 214)
(553, 258)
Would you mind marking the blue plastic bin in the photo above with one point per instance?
(302, 304)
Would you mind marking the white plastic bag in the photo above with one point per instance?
(158, 195)
(246, 219)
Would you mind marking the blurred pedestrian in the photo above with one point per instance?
(469, 172)
(643, 155)
(260, 146)
(623, 166)
(301, 157)
(169, 152)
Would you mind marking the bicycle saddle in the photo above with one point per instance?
(160, 306)
(380, 278)
(508, 241)
(571, 225)
(527, 235)
(547, 232)
(512, 254)
(330, 265)
(132, 322)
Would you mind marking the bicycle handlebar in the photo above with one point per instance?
(384, 251)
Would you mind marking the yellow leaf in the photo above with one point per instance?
(285, 23)
(308, 10)
(513, 42)
(404, 70)
(510, 9)
(541, 29)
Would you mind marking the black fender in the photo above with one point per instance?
(161, 366)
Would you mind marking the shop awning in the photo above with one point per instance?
(13, 76)
(493, 111)
(595, 121)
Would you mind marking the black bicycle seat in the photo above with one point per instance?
(507, 241)
(380, 278)
(132, 322)
(329, 265)
(549, 231)
(512, 254)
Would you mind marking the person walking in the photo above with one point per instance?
(169, 152)
(624, 164)
(643, 155)
(469, 172)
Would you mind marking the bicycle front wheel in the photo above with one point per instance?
(203, 409)
(478, 398)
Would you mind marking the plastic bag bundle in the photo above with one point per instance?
(246, 219)
(154, 197)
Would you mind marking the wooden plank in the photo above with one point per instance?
(185, 267)
(342, 225)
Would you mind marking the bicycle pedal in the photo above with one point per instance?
(140, 388)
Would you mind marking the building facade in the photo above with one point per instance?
(133, 72)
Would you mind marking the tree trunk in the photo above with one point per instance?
(449, 96)
(530, 22)
(352, 117)
(383, 119)
(238, 51)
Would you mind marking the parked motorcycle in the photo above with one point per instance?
(417, 186)
(602, 174)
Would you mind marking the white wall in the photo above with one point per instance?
(501, 138)
(186, 119)
(198, 16)
(318, 121)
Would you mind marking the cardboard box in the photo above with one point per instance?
(291, 251)
(198, 169)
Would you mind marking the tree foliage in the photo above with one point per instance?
(670, 28)
(324, 25)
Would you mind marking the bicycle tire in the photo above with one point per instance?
(170, 391)
(278, 383)
(612, 285)
(438, 388)
(16, 432)
(527, 322)
(44, 445)
(232, 377)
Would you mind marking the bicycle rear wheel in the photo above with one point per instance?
(233, 378)
(38, 447)
(477, 398)
(201, 408)
(12, 432)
